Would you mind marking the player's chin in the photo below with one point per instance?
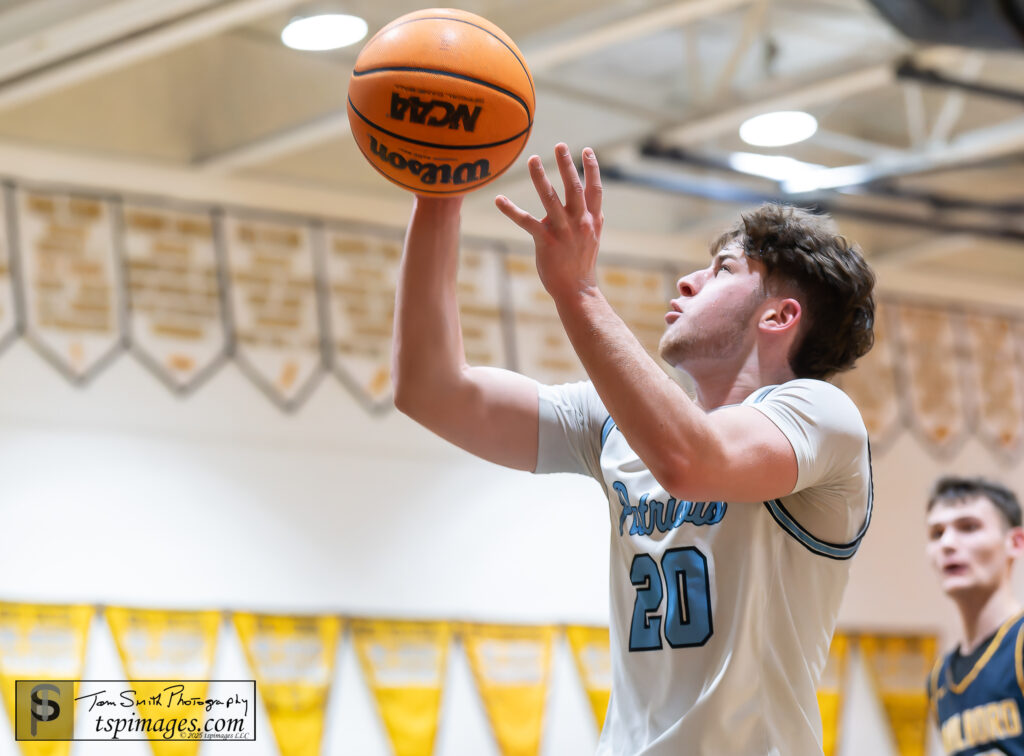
(958, 585)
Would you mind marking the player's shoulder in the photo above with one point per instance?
(813, 399)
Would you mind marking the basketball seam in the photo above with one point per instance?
(435, 145)
(453, 75)
(519, 60)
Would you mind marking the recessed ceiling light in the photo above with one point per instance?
(778, 129)
(325, 32)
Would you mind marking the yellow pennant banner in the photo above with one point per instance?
(404, 664)
(511, 665)
(39, 642)
(897, 665)
(591, 649)
(292, 658)
(168, 656)
(830, 692)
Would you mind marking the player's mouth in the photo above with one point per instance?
(674, 314)
(954, 569)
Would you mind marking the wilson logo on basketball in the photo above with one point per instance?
(433, 112)
(432, 173)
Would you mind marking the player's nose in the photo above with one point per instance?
(689, 284)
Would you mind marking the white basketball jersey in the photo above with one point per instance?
(721, 612)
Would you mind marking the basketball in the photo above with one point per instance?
(441, 101)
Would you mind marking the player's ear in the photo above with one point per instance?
(1015, 542)
(782, 315)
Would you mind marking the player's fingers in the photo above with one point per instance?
(517, 215)
(592, 175)
(546, 192)
(570, 180)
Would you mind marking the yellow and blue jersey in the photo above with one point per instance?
(981, 715)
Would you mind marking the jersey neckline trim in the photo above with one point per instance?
(993, 645)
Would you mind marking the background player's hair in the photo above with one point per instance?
(952, 489)
(832, 281)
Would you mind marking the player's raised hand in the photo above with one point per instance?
(568, 237)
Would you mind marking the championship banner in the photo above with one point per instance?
(165, 648)
(930, 357)
(872, 384)
(404, 664)
(592, 653)
(481, 309)
(292, 659)
(511, 665)
(898, 665)
(542, 349)
(995, 371)
(274, 306)
(8, 304)
(177, 319)
(830, 693)
(39, 642)
(69, 272)
(640, 297)
(362, 271)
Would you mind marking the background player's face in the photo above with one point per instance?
(969, 545)
(714, 316)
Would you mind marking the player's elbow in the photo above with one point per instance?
(688, 474)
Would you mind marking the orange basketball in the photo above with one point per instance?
(441, 101)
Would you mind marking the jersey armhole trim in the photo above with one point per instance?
(1018, 657)
(816, 545)
(607, 428)
(933, 685)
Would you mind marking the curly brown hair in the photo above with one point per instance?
(832, 282)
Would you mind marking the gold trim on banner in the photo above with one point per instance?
(831, 693)
(896, 666)
(158, 647)
(511, 665)
(591, 651)
(42, 642)
(292, 658)
(404, 664)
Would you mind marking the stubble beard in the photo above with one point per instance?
(681, 348)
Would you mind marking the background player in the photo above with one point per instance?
(731, 529)
(977, 690)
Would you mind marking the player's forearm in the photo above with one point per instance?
(666, 429)
(427, 351)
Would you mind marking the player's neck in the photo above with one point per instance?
(722, 386)
(983, 614)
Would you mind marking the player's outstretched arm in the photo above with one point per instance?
(487, 411)
(733, 454)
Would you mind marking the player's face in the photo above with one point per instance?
(969, 545)
(714, 316)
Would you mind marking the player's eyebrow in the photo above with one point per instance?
(722, 256)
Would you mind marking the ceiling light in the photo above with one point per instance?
(325, 32)
(775, 167)
(778, 129)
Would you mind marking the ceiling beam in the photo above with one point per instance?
(309, 134)
(540, 60)
(135, 47)
(972, 146)
(625, 30)
(56, 36)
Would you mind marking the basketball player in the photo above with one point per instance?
(977, 690)
(733, 516)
